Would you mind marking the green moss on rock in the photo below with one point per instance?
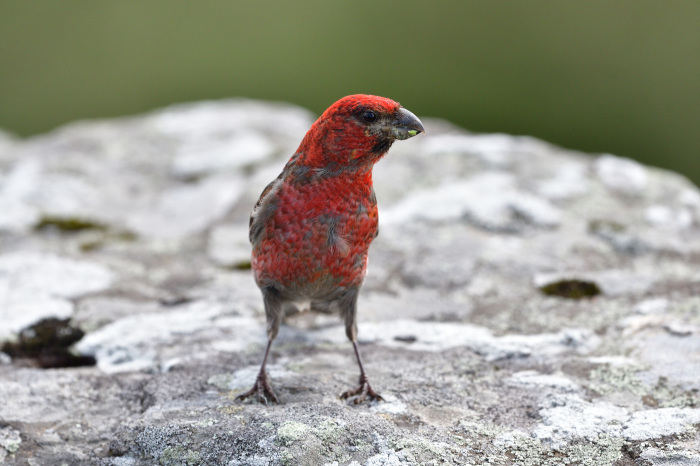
(68, 224)
(47, 344)
(571, 289)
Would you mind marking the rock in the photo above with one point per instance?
(568, 182)
(622, 175)
(490, 201)
(674, 354)
(651, 306)
(664, 216)
(209, 121)
(207, 157)
(184, 210)
(229, 246)
(524, 304)
(35, 286)
(17, 217)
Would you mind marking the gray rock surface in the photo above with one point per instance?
(136, 230)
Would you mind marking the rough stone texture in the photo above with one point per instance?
(136, 230)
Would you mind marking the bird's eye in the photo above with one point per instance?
(369, 116)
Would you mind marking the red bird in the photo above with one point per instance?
(312, 226)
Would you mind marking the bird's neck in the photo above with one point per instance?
(351, 187)
(341, 146)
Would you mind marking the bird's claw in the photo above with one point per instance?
(362, 392)
(261, 389)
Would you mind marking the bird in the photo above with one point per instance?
(312, 226)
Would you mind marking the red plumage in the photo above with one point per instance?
(312, 226)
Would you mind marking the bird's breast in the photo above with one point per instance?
(318, 237)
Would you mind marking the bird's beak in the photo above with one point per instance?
(406, 125)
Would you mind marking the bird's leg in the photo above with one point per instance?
(261, 388)
(363, 390)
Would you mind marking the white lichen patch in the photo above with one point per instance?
(36, 286)
(537, 381)
(570, 417)
(330, 430)
(10, 441)
(659, 457)
(291, 432)
(438, 336)
(655, 423)
(609, 378)
(128, 343)
(603, 451)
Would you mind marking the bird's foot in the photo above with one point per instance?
(261, 389)
(362, 392)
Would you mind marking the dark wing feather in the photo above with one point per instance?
(263, 211)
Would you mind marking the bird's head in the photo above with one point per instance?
(358, 130)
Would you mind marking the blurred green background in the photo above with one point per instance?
(597, 75)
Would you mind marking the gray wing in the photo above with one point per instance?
(263, 211)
